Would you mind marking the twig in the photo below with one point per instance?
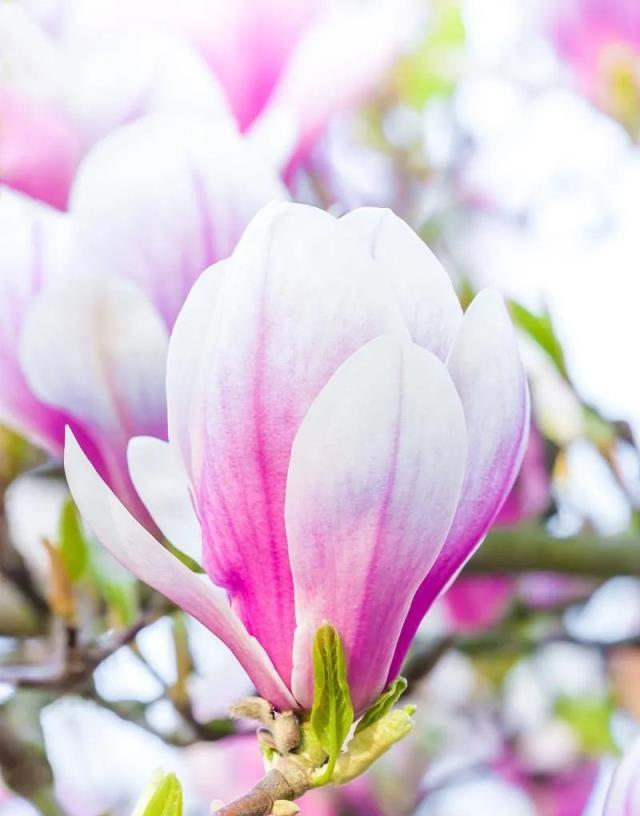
(261, 798)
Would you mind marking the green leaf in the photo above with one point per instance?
(383, 704)
(73, 545)
(540, 330)
(332, 711)
(590, 718)
(162, 798)
(367, 746)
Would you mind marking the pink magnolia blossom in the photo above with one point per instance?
(59, 97)
(345, 434)
(89, 297)
(623, 797)
(600, 40)
(280, 67)
(303, 61)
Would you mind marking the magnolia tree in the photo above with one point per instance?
(310, 499)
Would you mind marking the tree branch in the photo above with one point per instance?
(529, 548)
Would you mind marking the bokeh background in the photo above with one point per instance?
(506, 133)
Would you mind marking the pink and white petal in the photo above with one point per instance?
(95, 349)
(33, 253)
(166, 227)
(623, 798)
(428, 300)
(140, 553)
(187, 354)
(374, 480)
(248, 44)
(245, 43)
(339, 60)
(39, 149)
(298, 298)
(159, 478)
(486, 368)
(123, 76)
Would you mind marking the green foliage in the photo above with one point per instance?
(163, 799)
(332, 711)
(74, 550)
(383, 705)
(590, 718)
(540, 329)
(368, 745)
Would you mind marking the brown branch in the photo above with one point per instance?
(261, 798)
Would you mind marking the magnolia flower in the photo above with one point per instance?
(266, 52)
(89, 297)
(345, 436)
(623, 798)
(600, 40)
(59, 97)
(279, 67)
